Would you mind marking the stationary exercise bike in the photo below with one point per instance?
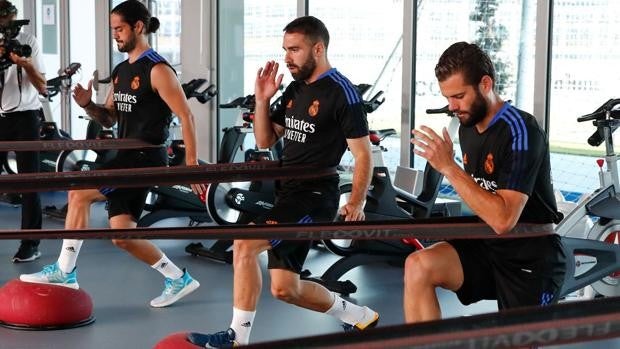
(595, 251)
(384, 201)
(237, 202)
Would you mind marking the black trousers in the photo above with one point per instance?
(25, 126)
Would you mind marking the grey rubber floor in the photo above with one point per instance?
(121, 288)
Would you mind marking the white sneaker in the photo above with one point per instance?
(51, 274)
(175, 290)
(370, 320)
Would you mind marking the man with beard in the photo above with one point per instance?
(506, 181)
(320, 115)
(145, 92)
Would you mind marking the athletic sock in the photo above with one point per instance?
(167, 268)
(69, 254)
(241, 323)
(346, 311)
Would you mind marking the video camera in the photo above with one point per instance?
(8, 34)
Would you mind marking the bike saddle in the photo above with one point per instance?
(376, 136)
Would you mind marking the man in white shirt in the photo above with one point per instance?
(21, 83)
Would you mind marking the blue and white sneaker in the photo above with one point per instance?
(51, 274)
(223, 339)
(175, 290)
(370, 320)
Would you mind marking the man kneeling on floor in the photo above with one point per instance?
(506, 181)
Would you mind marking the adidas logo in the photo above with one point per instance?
(344, 305)
(246, 324)
(70, 249)
(163, 265)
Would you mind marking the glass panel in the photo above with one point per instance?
(82, 45)
(167, 40)
(48, 35)
(116, 56)
(366, 46)
(584, 75)
(505, 29)
(250, 33)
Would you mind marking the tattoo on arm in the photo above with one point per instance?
(101, 114)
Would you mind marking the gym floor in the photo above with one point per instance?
(121, 288)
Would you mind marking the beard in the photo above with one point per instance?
(128, 45)
(477, 111)
(305, 71)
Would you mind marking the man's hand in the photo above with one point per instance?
(198, 189)
(83, 96)
(439, 152)
(352, 212)
(267, 83)
(23, 62)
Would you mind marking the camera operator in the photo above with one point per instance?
(20, 110)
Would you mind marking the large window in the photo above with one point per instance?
(366, 46)
(505, 29)
(250, 34)
(167, 40)
(585, 73)
(82, 45)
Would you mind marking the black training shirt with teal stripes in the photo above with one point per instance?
(318, 119)
(512, 153)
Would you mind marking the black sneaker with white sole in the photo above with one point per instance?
(26, 253)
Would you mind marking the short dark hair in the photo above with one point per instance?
(133, 11)
(468, 59)
(7, 9)
(311, 27)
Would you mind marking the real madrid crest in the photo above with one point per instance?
(314, 108)
(135, 83)
(489, 166)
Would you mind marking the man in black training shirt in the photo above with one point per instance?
(320, 115)
(506, 181)
(145, 92)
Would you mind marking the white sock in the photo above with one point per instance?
(346, 311)
(167, 268)
(69, 254)
(242, 322)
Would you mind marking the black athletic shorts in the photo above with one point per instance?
(304, 205)
(516, 272)
(131, 200)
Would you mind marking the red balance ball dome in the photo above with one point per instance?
(31, 306)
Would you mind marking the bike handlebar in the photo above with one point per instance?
(603, 112)
(53, 85)
(443, 110)
(191, 87)
(374, 103)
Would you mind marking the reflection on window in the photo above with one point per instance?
(585, 74)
